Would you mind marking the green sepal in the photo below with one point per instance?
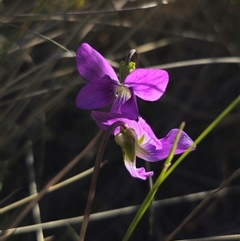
(125, 70)
(126, 139)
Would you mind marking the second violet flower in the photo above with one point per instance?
(138, 140)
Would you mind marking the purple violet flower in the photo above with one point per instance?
(139, 140)
(104, 88)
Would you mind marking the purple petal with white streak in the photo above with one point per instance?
(137, 172)
(128, 108)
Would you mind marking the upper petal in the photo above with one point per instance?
(148, 84)
(142, 129)
(92, 65)
(96, 94)
(105, 119)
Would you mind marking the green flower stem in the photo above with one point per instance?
(154, 189)
(167, 163)
(162, 178)
(204, 134)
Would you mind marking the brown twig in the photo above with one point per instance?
(92, 189)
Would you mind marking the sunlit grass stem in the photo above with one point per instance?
(161, 178)
(167, 163)
(147, 201)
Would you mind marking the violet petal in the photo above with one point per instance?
(167, 142)
(105, 119)
(149, 136)
(148, 84)
(137, 172)
(130, 108)
(96, 94)
(92, 65)
(127, 107)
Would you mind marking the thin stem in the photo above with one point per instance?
(167, 163)
(151, 206)
(203, 135)
(33, 190)
(92, 190)
(153, 191)
(216, 238)
(222, 60)
(121, 212)
(159, 181)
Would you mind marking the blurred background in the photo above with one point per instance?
(39, 119)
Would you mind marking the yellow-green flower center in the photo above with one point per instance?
(140, 140)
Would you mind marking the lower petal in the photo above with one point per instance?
(96, 94)
(150, 152)
(184, 141)
(126, 106)
(137, 172)
(167, 143)
(105, 119)
(130, 109)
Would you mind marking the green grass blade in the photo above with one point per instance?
(162, 178)
(155, 187)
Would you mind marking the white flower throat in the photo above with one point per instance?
(122, 92)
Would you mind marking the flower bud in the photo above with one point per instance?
(125, 70)
(130, 64)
